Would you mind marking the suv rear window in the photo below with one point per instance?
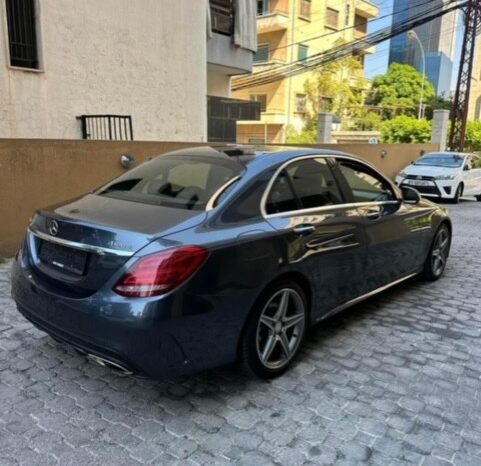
(181, 181)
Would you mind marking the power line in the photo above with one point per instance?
(341, 51)
(347, 28)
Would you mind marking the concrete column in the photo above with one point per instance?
(440, 128)
(324, 128)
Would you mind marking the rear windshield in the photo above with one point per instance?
(441, 160)
(182, 182)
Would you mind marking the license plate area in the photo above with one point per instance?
(419, 183)
(62, 258)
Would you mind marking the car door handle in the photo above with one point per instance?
(304, 230)
(373, 214)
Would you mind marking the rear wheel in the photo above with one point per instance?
(478, 198)
(438, 254)
(458, 194)
(274, 331)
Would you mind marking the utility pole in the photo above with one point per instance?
(459, 113)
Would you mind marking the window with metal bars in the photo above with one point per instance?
(107, 127)
(22, 33)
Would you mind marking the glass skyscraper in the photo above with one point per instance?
(438, 38)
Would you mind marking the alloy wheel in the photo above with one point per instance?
(440, 251)
(280, 328)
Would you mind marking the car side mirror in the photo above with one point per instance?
(410, 195)
(466, 168)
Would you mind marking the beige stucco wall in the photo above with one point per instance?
(145, 58)
(218, 83)
(38, 173)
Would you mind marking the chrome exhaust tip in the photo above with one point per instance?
(110, 364)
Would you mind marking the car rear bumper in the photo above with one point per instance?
(154, 337)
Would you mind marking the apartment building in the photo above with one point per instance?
(475, 97)
(123, 69)
(288, 31)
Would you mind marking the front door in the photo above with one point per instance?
(324, 237)
(396, 233)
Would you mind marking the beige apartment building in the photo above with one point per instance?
(288, 31)
(475, 98)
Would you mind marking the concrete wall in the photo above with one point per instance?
(37, 173)
(145, 58)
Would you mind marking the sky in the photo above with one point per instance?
(378, 62)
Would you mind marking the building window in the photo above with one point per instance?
(261, 98)
(301, 103)
(360, 25)
(262, 54)
(262, 7)
(332, 18)
(106, 127)
(305, 9)
(302, 53)
(22, 34)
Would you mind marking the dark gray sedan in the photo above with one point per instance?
(206, 256)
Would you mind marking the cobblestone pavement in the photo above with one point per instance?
(395, 380)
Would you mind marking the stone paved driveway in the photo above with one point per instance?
(396, 380)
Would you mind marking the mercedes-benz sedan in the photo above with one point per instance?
(207, 256)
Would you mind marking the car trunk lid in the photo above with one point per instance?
(79, 246)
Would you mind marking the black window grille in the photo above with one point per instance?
(22, 35)
(107, 127)
(223, 114)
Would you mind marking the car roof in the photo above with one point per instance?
(260, 156)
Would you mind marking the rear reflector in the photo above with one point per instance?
(160, 273)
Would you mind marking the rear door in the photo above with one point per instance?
(324, 237)
(397, 233)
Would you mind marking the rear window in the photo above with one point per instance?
(182, 182)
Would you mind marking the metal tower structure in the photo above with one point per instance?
(459, 113)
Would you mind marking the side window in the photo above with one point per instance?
(313, 183)
(366, 186)
(281, 197)
(471, 163)
(303, 185)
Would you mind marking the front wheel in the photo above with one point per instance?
(458, 194)
(275, 331)
(438, 254)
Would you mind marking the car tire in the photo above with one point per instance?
(435, 263)
(478, 198)
(458, 194)
(275, 330)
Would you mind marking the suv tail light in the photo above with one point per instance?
(160, 273)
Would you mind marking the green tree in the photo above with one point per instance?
(334, 88)
(473, 135)
(400, 87)
(406, 129)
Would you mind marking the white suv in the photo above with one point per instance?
(444, 175)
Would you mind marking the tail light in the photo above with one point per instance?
(160, 273)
